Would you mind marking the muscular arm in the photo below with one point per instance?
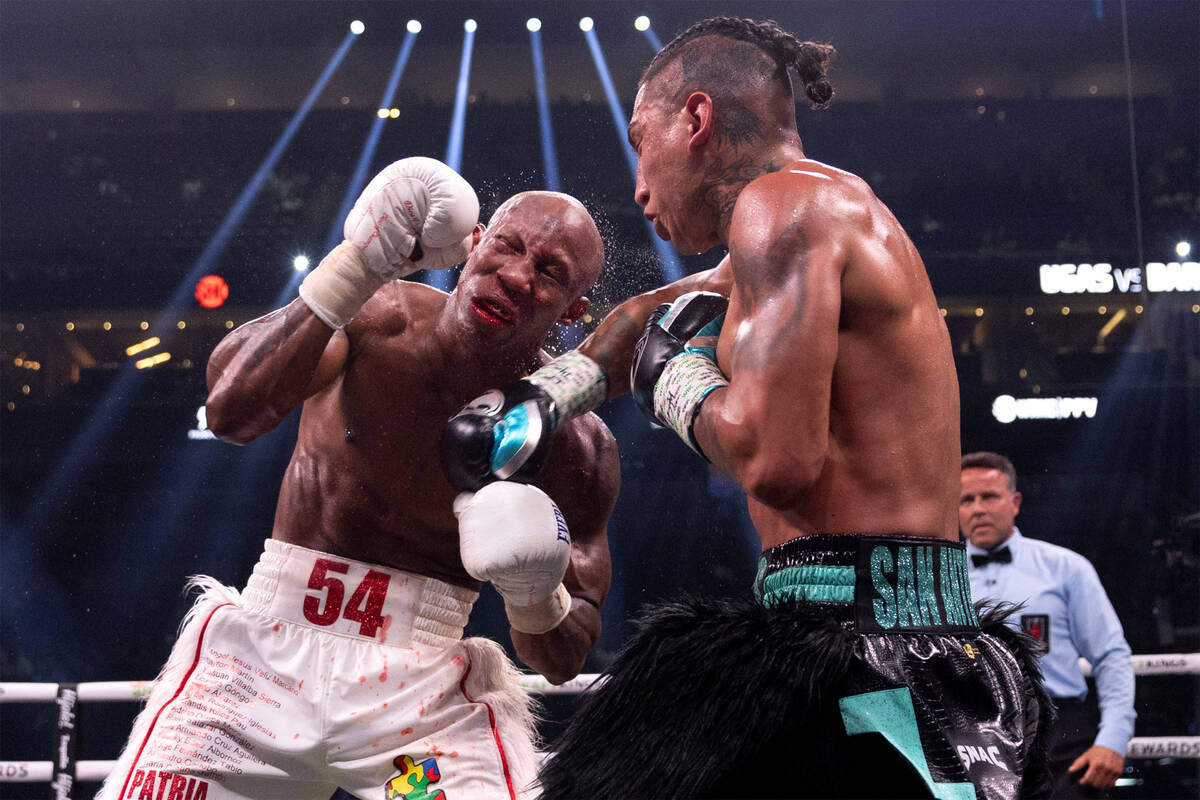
(611, 344)
(585, 485)
(769, 428)
(265, 368)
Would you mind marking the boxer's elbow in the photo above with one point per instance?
(776, 483)
(558, 674)
(557, 663)
(560, 654)
(775, 474)
(229, 420)
(771, 465)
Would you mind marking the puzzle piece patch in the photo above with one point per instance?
(413, 782)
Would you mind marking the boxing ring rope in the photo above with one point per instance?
(66, 695)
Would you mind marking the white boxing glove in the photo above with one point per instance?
(415, 214)
(513, 535)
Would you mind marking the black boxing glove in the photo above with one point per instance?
(675, 362)
(505, 434)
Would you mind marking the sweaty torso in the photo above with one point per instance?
(891, 462)
(365, 480)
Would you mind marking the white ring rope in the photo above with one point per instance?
(110, 691)
(1157, 664)
(1149, 747)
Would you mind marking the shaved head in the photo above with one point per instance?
(566, 218)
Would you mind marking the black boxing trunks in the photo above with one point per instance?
(859, 669)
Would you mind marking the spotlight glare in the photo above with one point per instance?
(393, 113)
(414, 26)
(585, 24)
(1183, 249)
(300, 263)
(356, 27)
(469, 26)
(382, 113)
(642, 23)
(533, 24)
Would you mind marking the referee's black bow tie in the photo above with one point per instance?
(1001, 556)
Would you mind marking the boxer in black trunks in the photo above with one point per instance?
(830, 396)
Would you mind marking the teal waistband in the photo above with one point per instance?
(815, 584)
(881, 583)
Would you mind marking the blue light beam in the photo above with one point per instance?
(359, 179)
(220, 240)
(444, 278)
(549, 154)
(90, 441)
(652, 37)
(672, 269)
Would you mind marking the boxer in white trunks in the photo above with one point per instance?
(342, 663)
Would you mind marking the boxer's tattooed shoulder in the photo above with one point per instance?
(763, 273)
(726, 179)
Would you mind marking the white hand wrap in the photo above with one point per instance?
(339, 285)
(412, 202)
(686, 380)
(575, 384)
(513, 535)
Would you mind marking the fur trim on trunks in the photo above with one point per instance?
(728, 698)
(1036, 780)
(736, 690)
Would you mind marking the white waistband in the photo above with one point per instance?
(352, 598)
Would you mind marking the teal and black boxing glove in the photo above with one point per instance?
(505, 434)
(675, 362)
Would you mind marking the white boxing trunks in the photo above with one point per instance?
(327, 672)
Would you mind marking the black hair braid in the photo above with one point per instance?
(811, 62)
(809, 59)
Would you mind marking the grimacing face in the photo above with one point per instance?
(528, 270)
(987, 509)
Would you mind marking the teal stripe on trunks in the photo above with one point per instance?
(815, 584)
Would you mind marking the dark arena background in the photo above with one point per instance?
(169, 169)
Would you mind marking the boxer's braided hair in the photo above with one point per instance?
(810, 60)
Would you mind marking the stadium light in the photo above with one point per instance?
(300, 263)
(1183, 249)
(642, 23)
(533, 24)
(470, 25)
(414, 26)
(356, 27)
(586, 24)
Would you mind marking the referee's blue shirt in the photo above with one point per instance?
(1062, 595)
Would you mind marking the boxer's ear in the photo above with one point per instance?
(699, 110)
(574, 311)
(477, 234)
